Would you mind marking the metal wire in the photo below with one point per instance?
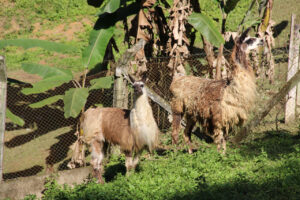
(42, 122)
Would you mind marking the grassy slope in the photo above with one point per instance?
(60, 21)
(264, 168)
(282, 11)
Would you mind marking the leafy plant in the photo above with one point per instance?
(207, 28)
(266, 168)
(101, 39)
(14, 118)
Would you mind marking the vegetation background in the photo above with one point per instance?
(266, 166)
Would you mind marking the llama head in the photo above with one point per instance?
(246, 43)
(243, 45)
(138, 86)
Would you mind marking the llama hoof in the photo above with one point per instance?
(129, 173)
(100, 181)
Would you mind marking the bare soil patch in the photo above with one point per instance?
(24, 77)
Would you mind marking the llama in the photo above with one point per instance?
(217, 105)
(133, 130)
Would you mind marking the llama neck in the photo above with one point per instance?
(243, 80)
(142, 121)
(142, 105)
(239, 60)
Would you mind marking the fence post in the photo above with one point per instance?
(120, 100)
(120, 97)
(3, 90)
(297, 62)
(290, 106)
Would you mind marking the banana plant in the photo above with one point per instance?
(111, 11)
(75, 98)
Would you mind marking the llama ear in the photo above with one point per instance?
(244, 35)
(144, 77)
(131, 78)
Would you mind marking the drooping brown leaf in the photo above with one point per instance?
(178, 42)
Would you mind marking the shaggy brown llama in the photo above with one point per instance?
(133, 130)
(217, 105)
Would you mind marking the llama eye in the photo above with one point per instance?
(142, 86)
(250, 41)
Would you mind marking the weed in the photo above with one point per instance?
(203, 175)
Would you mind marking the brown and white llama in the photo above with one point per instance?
(133, 130)
(217, 105)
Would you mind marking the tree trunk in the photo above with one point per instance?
(209, 55)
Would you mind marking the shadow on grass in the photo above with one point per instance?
(281, 182)
(24, 173)
(274, 143)
(287, 187)
(46, 119)
(112, 171)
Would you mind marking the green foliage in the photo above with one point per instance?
(230, 5)
(31, 43)
(104, 82)
(236, 10)
(14, 118)
(47, 101)
(46, 71)
(110, 7)
(52, 77)
(46, 84)
(207, 28)
(267, 168)
(235, 17)
(74, 101)
(98, 41)
(54, 9)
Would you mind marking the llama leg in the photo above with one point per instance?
(219, 140)
(128, 162)
(224, 146)
(97, 158)
(175, 127)
(177, 110)
(135, 160)
(187, 134)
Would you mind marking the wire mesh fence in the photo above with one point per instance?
(42, 145)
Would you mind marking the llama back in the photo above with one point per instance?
(111, 124)
(197, 96)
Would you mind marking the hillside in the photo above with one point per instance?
(71, 21)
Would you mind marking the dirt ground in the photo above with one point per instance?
(22, 76)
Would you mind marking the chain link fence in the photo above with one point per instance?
(42, 144)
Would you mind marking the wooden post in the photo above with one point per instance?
(290, 106)
(120, 87)
(3, 90)
(297, 62)
(120, 99)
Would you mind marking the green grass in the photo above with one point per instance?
(267, 168)
(282, 11)
(33, 153)
(40, 19)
